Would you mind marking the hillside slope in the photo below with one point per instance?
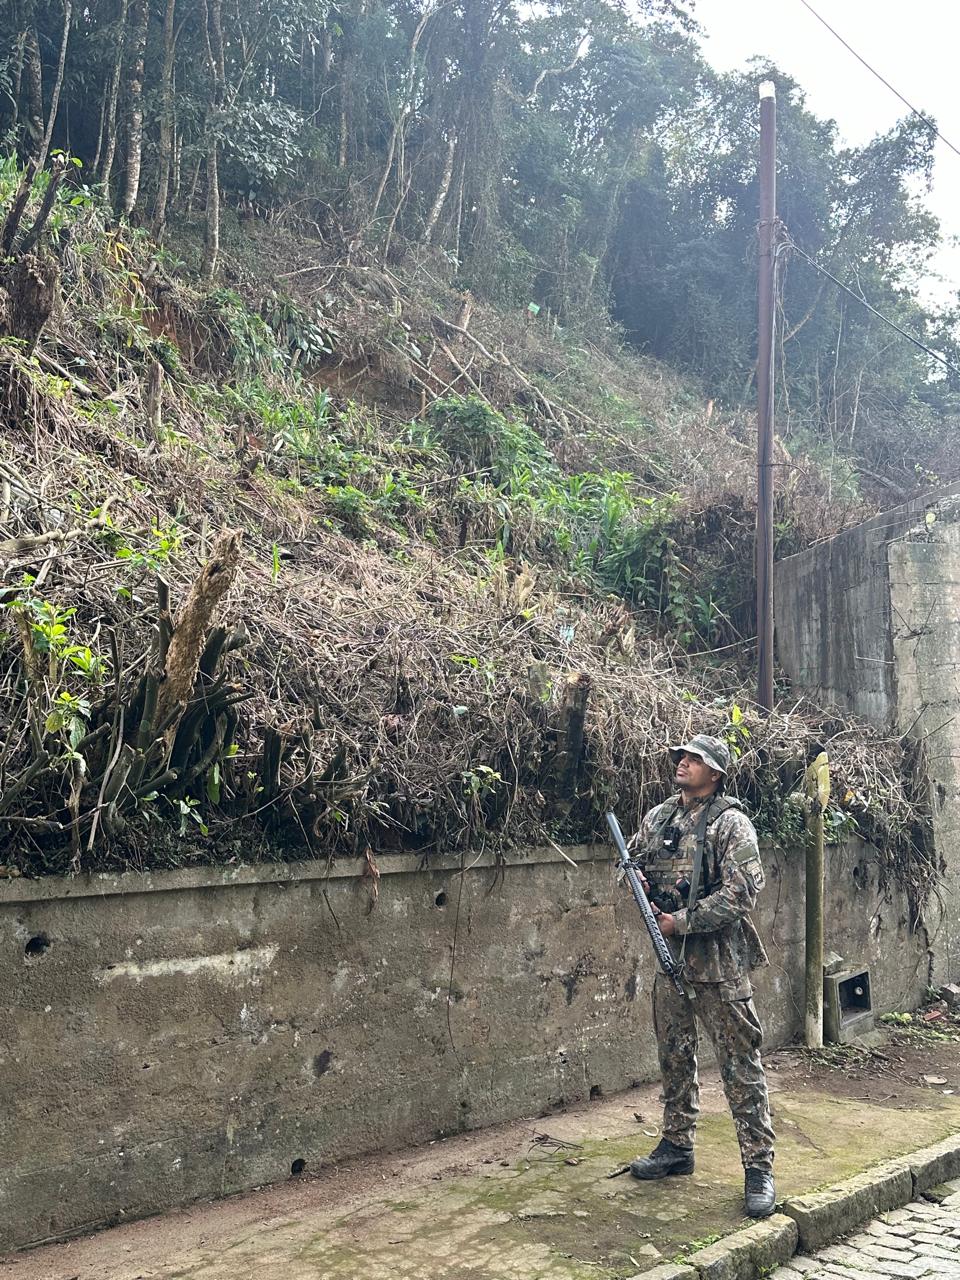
(334, 559)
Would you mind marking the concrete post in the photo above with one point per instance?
(817, 787)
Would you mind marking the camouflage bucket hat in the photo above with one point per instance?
(712, 751)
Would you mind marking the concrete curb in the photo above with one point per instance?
(936, 1164)
(753, 1251)
(837, 1211)
(812, 1221)
(668, 1271)
(825, 1215)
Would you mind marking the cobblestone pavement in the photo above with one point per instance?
(919, 1241)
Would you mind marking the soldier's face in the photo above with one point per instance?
(694, 775)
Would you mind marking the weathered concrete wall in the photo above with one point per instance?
(869, 621)
(192, 1033)
(924, 572)
(833, 608)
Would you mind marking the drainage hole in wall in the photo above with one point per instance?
(37, 946)
(441, 899)
(595, 1092)
(298, 1166)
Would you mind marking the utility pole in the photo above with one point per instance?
(766, 315)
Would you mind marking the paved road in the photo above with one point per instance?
(919, 1241)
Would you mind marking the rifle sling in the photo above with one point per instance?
(697, 872)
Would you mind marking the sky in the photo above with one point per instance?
(913, 45)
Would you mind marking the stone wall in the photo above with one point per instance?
(192, 1033)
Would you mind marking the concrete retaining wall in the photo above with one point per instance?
(869, 621)
(834, 617)
(188, 1034)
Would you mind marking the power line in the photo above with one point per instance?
(873, 71)
(872, 309)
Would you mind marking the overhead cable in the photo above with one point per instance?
(872, 309)
(873, 71)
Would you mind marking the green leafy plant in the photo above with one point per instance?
(247, 341)
(480, 781)
(89, 664)
(350, 505)
(69, 718)
(480, 437)
(155, 551)
(736, 734)
(306, 336)
(189, 811)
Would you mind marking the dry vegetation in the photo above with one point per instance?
(345, 562)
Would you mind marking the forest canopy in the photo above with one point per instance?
(581, 156)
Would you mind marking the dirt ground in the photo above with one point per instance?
(534, 1200)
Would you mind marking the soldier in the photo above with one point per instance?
(708, 927)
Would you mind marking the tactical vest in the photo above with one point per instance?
(658, 860)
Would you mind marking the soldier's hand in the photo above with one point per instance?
(667, 927)
(622, 875)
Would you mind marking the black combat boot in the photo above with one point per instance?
(759, 1193)
(664, 1160)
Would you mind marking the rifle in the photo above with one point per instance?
(672, 968)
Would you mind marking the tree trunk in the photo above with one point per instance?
(134, 132)
(19, 51)
(57, 86)
(191, 629)
(406, 106)
(166, 118)
(350, 16)
(388, 166)
(343, 149)
(405, 185)
(215, 59)
(110, 136)
(31, 283)
(177, 171)
(602, 243)
(442, 191)
(95, 167)
(458, 216)
(18, 205)
(34, 91)
(211, 247)
(194, 183)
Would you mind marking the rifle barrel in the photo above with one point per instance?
(671, 967)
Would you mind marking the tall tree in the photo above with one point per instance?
(165, 156)
(213, 23)
(107, 147)
(134, 106)
(57, 86)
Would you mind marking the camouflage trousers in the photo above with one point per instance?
(736, 1034)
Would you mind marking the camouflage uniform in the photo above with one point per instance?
(719, 946)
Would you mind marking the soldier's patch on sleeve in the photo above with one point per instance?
(752, 869)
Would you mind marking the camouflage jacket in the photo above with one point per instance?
(717, 939)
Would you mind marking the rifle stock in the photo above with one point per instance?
(671, 967)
